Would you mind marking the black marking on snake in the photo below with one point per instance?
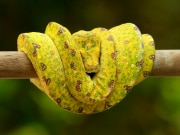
(60, 31)
(117, 52)
(66, 46)
(146, 73)
(73, 52)
(107, 105)
(126, 42)
(140, 63)
(88, 94)
(80, 110)
(46, 80)
(91, 100)
(127, 88)
(152, 43)
(110, 38)
(78, 85)
(36, 46)
(111, 84)
(152, 57)
(72, 65)
(43, 66)
(58, 100)
(113, 55)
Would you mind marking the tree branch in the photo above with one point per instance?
(17, 65)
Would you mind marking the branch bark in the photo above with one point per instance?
(17, 65)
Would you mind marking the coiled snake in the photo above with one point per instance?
(119, 58)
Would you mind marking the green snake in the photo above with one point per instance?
(118, 58)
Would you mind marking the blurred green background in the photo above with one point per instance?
(151, 108)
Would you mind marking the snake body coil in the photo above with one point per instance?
(120, 58)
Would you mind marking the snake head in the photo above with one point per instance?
(89, 47)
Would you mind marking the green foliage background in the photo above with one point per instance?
(151, 108)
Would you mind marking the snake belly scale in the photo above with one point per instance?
(119, 58)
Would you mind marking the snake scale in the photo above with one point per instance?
(118, 58)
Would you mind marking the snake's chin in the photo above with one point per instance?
(92, 68)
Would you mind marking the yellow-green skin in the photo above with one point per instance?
(120, 57)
